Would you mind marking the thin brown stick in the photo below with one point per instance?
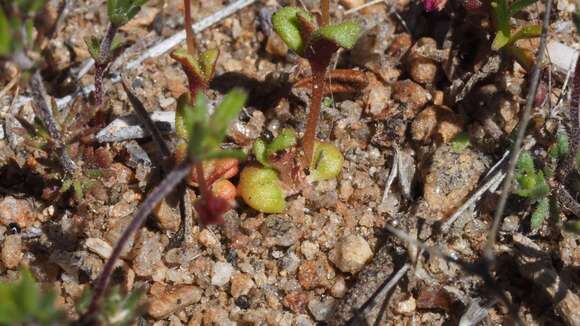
(163, 189)
(506, 189)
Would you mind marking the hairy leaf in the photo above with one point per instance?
(287, 25)
(344, 35)
(540, 213)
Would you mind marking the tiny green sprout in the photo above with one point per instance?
(327, 162)
(460, 143)
(24, 303)
(200, 70)
(261, 189)
(94, 46)
(505, 38)
(298, 29)
(540, 213)
(122, 11)
(531, 182)
(559, 150)
(284, 140)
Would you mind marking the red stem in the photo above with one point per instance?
(318, 72)
(203, 187)
(325, 9)
(188, 32)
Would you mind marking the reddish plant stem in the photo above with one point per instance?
(318, 72)
(188, 32)
(325, 9)
(203, 187)
(103, 61)
(163, 189)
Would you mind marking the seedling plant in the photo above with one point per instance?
(105, 49)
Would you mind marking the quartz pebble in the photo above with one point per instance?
(351, 253)
(406, 307)
(221, 274)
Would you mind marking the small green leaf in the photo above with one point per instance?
(526, 32)
(327, 161)
(183, 104)
(560, 148)
(460, 143)
(226, 112)
(94, 46)
(285, 139)
(261, 189)
(189, 63)
(208, 59)
(525, 163)
(519, 5)
(122, 11)
(259, 149)
(502, 21)
(540, 213)
(344, 35)
(5, 35)
(287, 25)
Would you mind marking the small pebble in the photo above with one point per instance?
(422, 70)
(170, 300)
(13, 210)
(351, 253)
(406, 307)
(241, 285)
(321, 310)
(12, 251)
(221, 273)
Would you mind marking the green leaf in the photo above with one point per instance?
(261, 189)
(287, 25)
(540, 213)
(327, 161)
(526, 32)
(260, 152)
(460, 143)
(560, 148)
(285, 139)
(183, 104)
(190, 64)
(5, 35)
(122, 11)
(94, 46)
(196, 123)
(525, 163)
(208, 59)
(519, 5)
(344, 35)
(502, 21)
(225, 112)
